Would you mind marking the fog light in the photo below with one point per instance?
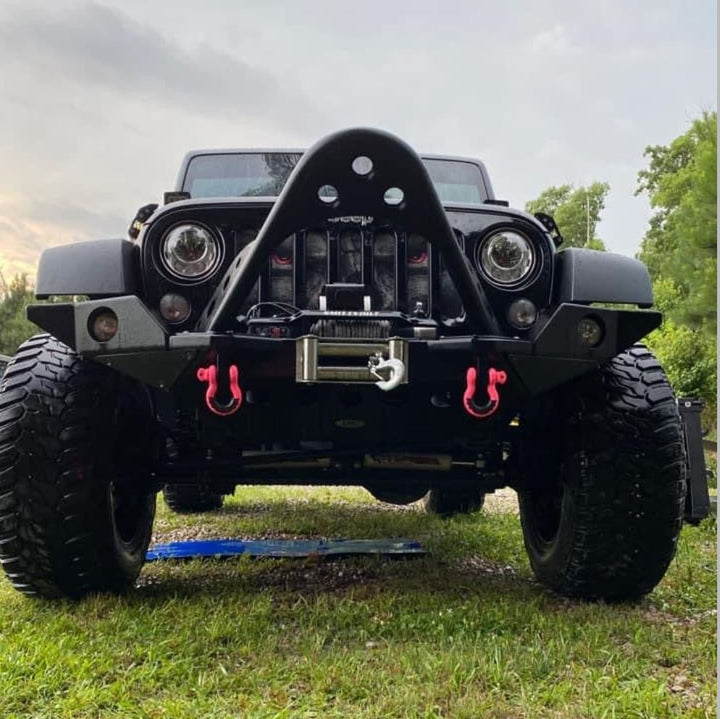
(174, 308)
(522, 314)
(103, 325)
(590, 331)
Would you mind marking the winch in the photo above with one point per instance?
(341, 360)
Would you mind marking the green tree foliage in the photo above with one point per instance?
(680, 249)
(681, 243)
(688, 356)
(576, 211)
(14, 328)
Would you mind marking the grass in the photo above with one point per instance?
(465, 632)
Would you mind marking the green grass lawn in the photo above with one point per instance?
(465, 632)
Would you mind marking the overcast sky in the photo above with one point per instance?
(100, 100)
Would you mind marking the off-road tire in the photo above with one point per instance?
(191, 498)
(75, 456)
(605, 480)
(448, 501)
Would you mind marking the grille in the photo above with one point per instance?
(398, 268)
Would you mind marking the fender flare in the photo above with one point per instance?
(96, 268)
(585, 276)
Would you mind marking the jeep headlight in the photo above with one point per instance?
(507, 258)
(190, 251)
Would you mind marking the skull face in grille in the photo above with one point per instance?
(384, 275)
(316, 269)
(395, 267)
(418, 273)
(350, 257)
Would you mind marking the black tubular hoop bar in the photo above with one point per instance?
(329, 162)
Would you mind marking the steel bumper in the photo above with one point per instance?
(145, 350)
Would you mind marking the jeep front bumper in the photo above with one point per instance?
(143, 349)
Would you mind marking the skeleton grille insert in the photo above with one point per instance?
(395, 267)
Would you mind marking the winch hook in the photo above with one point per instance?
(495, 378)
(397, 372)
(221, 409)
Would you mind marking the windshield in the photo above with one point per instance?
(251, 174)
(239, 175)
(456, 181)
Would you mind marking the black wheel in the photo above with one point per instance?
(448, 501)
(396, 493)
(604, 488)
(76, 449)
(190, 498)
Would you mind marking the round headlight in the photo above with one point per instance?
(190, 251)
(507, 257)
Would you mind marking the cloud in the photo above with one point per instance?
(99, 100)
(29, 225)
(92, 44)
(101, 108)
(553, 42)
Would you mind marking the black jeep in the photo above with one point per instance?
(354, 314)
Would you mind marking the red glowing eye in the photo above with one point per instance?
(418, 259)
(280, 259)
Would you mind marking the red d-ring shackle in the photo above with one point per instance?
(495, 377)
(209, 375)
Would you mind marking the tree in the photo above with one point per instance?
(576, 212)
(681, 242)
(689, 357)
(14, 328)
(680, 250)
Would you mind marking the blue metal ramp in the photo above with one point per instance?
(281, 548)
